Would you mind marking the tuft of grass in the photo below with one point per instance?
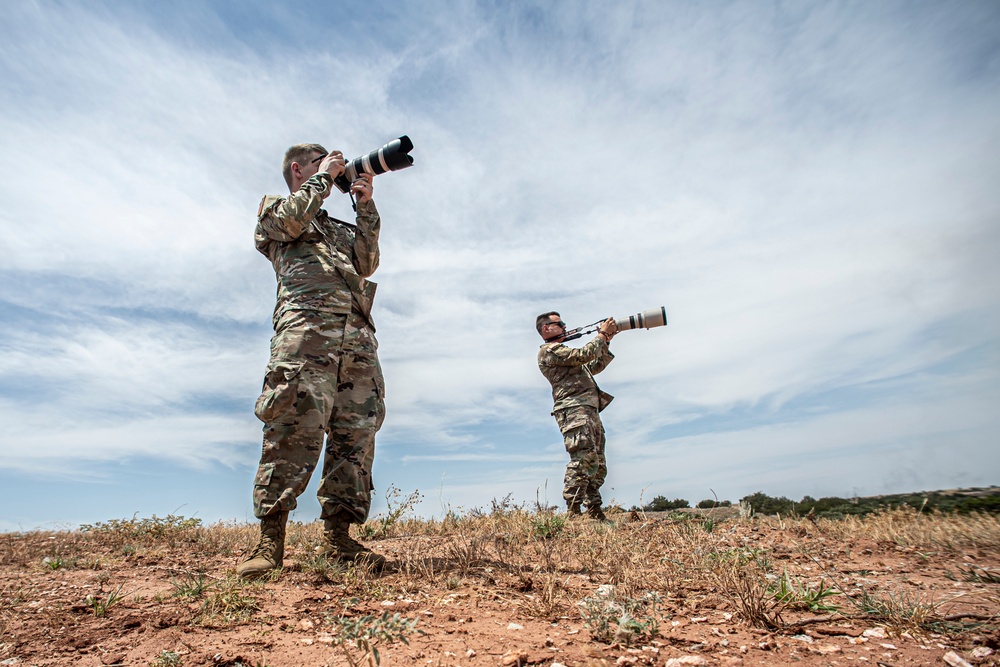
(126, 533)
(620, 619)
(398, 507)
(101, 604)
(980, 575)
(229, 604)
(899, 612)
(167, 659)
(741, 578)
(192, 586)
(548, 525)
(793, 594)
(55, 562)
(367, 633)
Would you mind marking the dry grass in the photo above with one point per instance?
(909, 527)
(546, 565)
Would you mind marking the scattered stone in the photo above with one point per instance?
(470, 653)
(955, 660)
(875, 633)
(803, 638)
(695, 660)
(825, 649)
(113, 659)
(306, 625)
(514, 626)
(981, 653)
(513, 658)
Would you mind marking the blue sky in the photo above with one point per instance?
(809, 188)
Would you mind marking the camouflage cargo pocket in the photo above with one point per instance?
(280, 389)
(570, 420)
(264, 474)
(576, 439)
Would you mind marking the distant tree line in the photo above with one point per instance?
(661, 504)
(761, 503)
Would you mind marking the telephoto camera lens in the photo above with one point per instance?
(647, 319)
(391, 157)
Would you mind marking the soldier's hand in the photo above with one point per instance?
(608, 329)
(362, 188)
(333, 164)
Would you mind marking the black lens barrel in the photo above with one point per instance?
(391, 157)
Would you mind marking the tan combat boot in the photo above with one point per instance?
(338, 545)
(270, 551)
(574, 512)
(594, 512)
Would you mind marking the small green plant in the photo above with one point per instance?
(742, 577)
(366, 633)
(611, 618)
(127, 532)
(397, 508)
(899, 612)
(980, 575)
(709, 524)
(100, 604)
(167, 659)
(322, 567)
(228, 604)
(54, 562)
(192, 586)
(547, 525)
(794, 595)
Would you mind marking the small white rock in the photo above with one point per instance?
(955, 660)
(684, 660)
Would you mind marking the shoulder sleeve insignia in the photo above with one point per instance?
(266, 203)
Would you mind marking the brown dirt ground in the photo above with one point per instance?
(476, 612)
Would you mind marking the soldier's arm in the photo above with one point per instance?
(562, 355)
(599, 364)
(284, 219)
(366, 254)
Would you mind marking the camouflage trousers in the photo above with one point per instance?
(583, 436)
(323, 378)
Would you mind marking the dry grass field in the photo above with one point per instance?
(510, 586)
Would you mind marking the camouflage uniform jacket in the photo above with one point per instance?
(320, 262)
(571, 372)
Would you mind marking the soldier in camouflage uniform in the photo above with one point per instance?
(323, 377)
(577, 401)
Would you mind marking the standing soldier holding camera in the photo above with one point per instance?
(324, 376)
(577, 401)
